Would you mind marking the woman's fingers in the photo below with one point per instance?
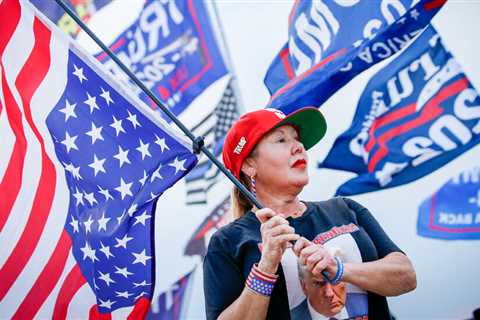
(264, 214)
(272, 222)
(283, 239)
(317, 258)
(277, 230)
(300, 244)
(313, 254)
(324, 265)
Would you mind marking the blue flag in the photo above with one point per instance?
(330, 42)
(453, 212)
(415, 115)
(171, 303)
(84, 10)
(172, 50)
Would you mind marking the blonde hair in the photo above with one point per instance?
(240, 203)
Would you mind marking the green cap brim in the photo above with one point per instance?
(310, 123)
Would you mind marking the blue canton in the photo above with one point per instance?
(117, 162)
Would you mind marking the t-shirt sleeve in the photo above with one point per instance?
(222, 278)
(365, 219)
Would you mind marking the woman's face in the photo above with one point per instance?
(280, 160)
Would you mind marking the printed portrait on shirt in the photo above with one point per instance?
(312, 297)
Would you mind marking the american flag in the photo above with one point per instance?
(213, 128)
(81, 165)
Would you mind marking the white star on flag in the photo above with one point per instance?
(123, 271)
(117, 125)
(106, 277)
(106, 304)
(106, 250)
(75, 171)
(97, 165)
(88, 252)
(79, 196)
(141, 284)
(133, 119)
(91, 102)
(122, 156)
(144, 178)
(156, 174)
(161, 142)
(123, 242)
(102, 222)
(69, 110)
(142, 218)
(143, 149)
(105, 193)
(106, 95)
(178, 165)
(69, 142)
(79, 73)
(123, 294)
(141, 258)
(90, 197)
(74, 224)
(95, 133)
(88, 224)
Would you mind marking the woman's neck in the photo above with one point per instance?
(286, 205)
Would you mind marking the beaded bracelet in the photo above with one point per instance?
(260, 282)
(339, 274)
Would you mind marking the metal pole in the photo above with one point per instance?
(197, 141)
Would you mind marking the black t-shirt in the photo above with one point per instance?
(234, 248)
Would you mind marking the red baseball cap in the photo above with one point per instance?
(252, 126)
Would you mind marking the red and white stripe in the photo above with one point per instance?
(39, 276)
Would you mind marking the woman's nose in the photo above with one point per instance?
(297, 147)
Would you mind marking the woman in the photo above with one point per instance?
(243, 269)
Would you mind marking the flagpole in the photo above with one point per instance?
(198, 143)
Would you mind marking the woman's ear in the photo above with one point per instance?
(249, 167)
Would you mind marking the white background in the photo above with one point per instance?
(448, 272)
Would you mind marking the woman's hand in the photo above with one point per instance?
(276, 236)
(315, 257)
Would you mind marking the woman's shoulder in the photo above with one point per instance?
(236, 230)
(337, 203)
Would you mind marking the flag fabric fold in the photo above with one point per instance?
(171, 48)
(415, 115)
(81, 166)
(330, 42)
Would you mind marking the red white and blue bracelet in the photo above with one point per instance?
(260, 282)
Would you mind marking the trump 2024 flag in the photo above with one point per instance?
(415, 115)
(81, 165)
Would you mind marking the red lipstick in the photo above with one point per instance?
(300, 163)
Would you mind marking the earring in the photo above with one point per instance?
(253, 188)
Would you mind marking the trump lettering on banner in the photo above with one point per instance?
(453, 212)
(81, 167)
(331, 41)
(172, 50)
(415, 115)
